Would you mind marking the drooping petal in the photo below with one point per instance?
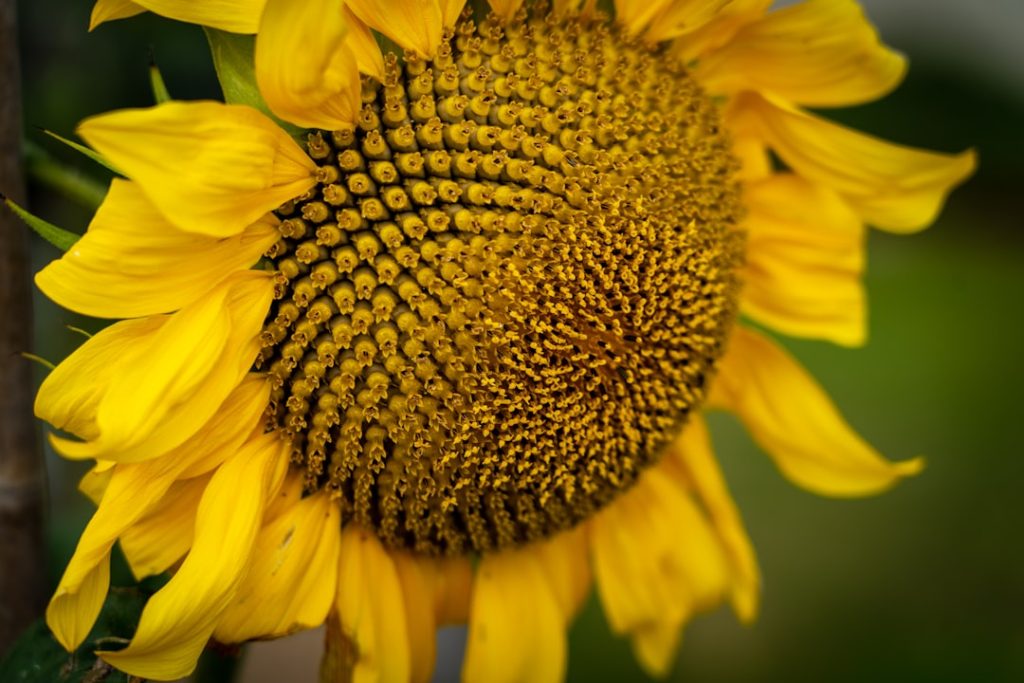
(692, 451)
(305, 68)
(656, 563)
(817, 53)
(166, 385)
(237, 16)
(291, 581)
(179, 619)
(133, 490)
(805, 257)
(209, 167)
(371, 609)
(892, 187)
(162, 537)
(792, 418)
(566, 563)
(512, 637)
(369, 58)
(109, 10)
(133, 263)
(415, 25)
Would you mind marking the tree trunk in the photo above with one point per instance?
(22, 577)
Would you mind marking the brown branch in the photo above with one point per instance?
(22, 579)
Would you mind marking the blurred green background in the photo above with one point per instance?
(925, 583)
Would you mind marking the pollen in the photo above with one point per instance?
(509, 287)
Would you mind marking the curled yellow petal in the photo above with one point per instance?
(305, 68)
(805, 257)
(166, 384)
(291, 581)
(110, 10)
(157, 541)
(208, 167)
(892, 187)
(792, 418)
(415, 25)
(513, 639)
(237, 16)
(178, 620)
(815, 53)
(132, 262)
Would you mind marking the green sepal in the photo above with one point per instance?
(58, 237)
(156, 83)
(234, 59)
(82, 149)
(37, 657)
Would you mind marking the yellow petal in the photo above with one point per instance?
(516, 626)
(130, 493)
(680, 17)
(792, 418)
(814, 53)
(237, 16)
(415, 25)
(133, 263)
(635, 15)
(805, 257)
(655, 646)
(305, 69)
(208, 167)
(505, 8)
(450, 11)
(720, 29)
(168, 385)
(159, 540)
(895, 188)
(178, 620)
(371, 609)
(565, 561)
(291, 581)
(364, 45)
(94, 483)
(692, 451)
(109, 10)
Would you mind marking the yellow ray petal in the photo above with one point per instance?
(414, 24)
(209, 167)
(133, 491)
(364, 45)
(635, 15)
(418, 577)
(692, 451)
(513, 639)
(450, 11)
(814, 53)
(720, 29)
(237, 16)
(133, 263)
(805, 257)
(792, 418)
(505, 8)
(371, 608)
(178, 620)
(159, 540)
(895, 188)
(291, 581)
(109, 10)
(655, 646)
(94, 483)
(305, 69)
(167, 385)
(680, 17)
(565, 561)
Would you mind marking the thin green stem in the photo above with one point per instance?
(68, 181)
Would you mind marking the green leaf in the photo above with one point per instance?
(37, 657)
(58, 237)
(233, 58)
(82, 149)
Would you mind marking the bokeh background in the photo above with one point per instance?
(925, 583)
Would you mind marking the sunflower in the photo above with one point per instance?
(444, 358)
